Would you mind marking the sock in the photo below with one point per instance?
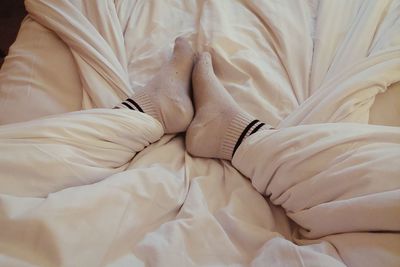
(167, 96)
(219, 125)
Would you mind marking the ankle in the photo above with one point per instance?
(146, 103)
(241, 126)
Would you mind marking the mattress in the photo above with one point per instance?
(151, 209)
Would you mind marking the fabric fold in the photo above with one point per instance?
(50, 154)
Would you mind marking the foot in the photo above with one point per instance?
(219, 122)
(167, 96)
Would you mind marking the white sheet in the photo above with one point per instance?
(184, 211)
(24, 79)
(39, 75)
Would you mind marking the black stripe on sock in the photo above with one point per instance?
(239, 141)
(257, 128)
(135, 104)
(127, 105)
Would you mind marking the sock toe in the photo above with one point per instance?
(203, 65)
(183, 51)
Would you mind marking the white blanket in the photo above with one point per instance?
(74, 191)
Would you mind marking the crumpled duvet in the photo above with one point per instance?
(103, 187)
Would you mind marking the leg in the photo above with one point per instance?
(72, 149)
(88, 146)
(167, 96)
(330, 178)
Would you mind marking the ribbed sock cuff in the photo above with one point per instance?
(233, 133)
(146, 104)
(242, 126)
(140, 102)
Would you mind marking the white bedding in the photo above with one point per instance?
(73, 190)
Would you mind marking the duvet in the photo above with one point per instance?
(104, 187)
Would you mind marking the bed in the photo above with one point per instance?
(73, 192)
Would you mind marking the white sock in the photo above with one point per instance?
(167, 96)
(220, 125)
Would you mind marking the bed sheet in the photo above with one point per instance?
(179, 211)
(40, 74)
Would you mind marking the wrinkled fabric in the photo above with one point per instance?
(71, 149)
(330, 178)
(88, 189)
